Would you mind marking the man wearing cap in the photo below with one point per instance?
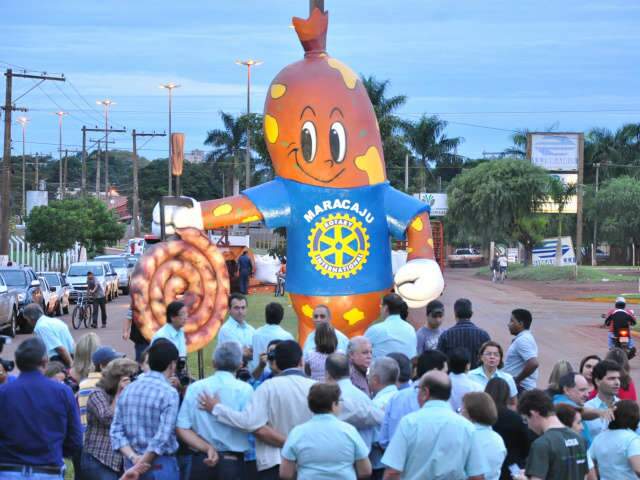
(429, 334)
(100, 359)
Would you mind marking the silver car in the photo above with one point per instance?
(59, 283)
(8, 309)
(120, 265)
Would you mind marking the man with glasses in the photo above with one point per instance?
(429, 334)
(322, 314)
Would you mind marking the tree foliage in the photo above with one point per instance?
(617, 205)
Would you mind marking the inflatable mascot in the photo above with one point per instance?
(331, 194)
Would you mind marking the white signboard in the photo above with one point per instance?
(36, 198)
(512, 255)
(437, 202)
(545, 252)
(556, 152)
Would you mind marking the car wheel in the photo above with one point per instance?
(12, 329)
(58, 309)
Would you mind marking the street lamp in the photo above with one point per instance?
(23, 122)
(247, 158)
(60, 115)
(170, 86)
(106, 103)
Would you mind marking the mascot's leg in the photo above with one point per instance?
(351, 314)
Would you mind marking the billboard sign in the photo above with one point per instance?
(545, 252)
(437, 202)
(556, 152)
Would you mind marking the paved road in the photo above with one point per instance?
(564, 330)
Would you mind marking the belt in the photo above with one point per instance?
(51, 470)
(221, 454)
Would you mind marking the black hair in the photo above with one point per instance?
(173, 309)
(535, 400)
(30, 354)
(430, 360)
(161, 353)
(586, 359)
(626, 414)
(287, 354)
(523, 316)
(393, 302)
(273, 313)
(434, 305)
(405, 366)
(404, 310)
(459, 358)
(462, 308)
(275, 341)
(237, 296)
(604, 366)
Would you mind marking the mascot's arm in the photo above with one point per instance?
(228, 211)
(420, 239)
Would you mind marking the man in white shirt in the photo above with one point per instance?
(393, 334)
(322, 314)
(273, 314)
(521, 361)
(461, 382)
(606, 377)
(236, 328)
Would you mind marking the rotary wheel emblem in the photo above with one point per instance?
(338, 245)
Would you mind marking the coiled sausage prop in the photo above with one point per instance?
(190, 269)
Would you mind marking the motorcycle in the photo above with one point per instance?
(621, 339)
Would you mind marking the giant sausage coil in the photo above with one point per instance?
(190, 269)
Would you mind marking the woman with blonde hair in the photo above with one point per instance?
(99, 460)
(82, 363)
(560, 369)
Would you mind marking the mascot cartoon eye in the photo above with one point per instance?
(308, 141)
(338, 142)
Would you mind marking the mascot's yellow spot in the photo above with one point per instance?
(253, 218)
(271, 128)
(417, 224)
(371, 163)
(353, 316)
(223, 209)
(350, 79)
(307, 311)
(278, 90)
(409, 249)
(430, 242)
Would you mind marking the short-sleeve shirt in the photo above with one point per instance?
(478, 375)
(522, 349)
(611, 450)
(261, 338)
(559, 454)
(392, 335)
(325, 448)
(427, 339)
(493, 446)
(174, 336)
(54, 333)
(338, 237)
(597, 425)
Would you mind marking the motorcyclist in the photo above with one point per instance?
(619, 318)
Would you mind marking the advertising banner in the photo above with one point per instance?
(556, 152)
(437, 202)
(545, 252)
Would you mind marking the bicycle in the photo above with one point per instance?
(82, 312)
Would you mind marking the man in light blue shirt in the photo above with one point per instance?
(575, 392)
(236, 328)
(606, 377)
(434, 442)
(322, 314)
(177, 315)
(273, 314)
(53, 332)
(195, 425)
(393, 334)
(521, 361)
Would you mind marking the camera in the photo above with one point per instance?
(8, 365)
(182, 374)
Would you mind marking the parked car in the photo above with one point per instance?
(8, 309)
(112, 281)
(123, 268)
(77, 277)
(57, 281)
(24, 283)
(50, 297)
(465, 257)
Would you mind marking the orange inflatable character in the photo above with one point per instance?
(331, 193)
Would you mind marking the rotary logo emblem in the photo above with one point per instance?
(338, 245)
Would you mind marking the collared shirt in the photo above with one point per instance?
(280, 403)
(562, 398)
(358, 410)
(437, 444)
(380, 400)
(261, 338)
(599, 424)
(359, 379)
(427, 339)
(40, 422)
(55, 334)
(522, 349)
(86, 387)
(493, 447)
(233, 331)
(175, 336)
(97, 441)
(324, 447)
(401, 404)
(310, 342)
(233, 393)
(461, 384)
(479, 375)
(392, 335)
(611, 450)
(463, 334)
(145, 417)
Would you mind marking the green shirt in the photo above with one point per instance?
(559, 454)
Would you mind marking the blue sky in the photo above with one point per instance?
(486, 67)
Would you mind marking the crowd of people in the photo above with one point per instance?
(397, 402)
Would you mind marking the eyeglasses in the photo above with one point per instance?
(491, 354)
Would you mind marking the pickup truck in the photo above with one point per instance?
(465, 257)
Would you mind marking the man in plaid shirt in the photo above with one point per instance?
(144, 424)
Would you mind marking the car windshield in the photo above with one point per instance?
(52, 279)
(116, 262)
(82, 270)
(14, 278)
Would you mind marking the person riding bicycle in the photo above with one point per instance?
(619, 318)
(495, 267)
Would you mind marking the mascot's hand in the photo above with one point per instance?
(178, 217)
(418, 282)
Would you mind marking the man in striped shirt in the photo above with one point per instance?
(464, 333)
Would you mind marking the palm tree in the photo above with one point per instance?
(228, 144)
(519, 148)
(384, 106)
(603, 147)
(560, 193)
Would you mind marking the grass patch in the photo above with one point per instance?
(255, 317)
(549, 273)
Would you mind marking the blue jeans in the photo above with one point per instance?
(244, 283)
(228, 467)
(93, 469)
(28, 475)
(631, 342)
(163, 468)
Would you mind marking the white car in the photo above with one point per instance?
(77, 277)
(56, 280)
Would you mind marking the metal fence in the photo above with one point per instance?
(23, 253)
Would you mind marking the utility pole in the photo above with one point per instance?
(136, 196)
(23, 123)
(83, 179)
(170, 86)
(106, 131)
(98, 171)
(6, 159)
(406, 173)
(106, 104)
(594, 248)
(60, 115)
(66, 163)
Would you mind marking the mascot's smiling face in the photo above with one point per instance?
(319, 124)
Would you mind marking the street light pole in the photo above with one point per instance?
(60, 115)
(247, 157)
(170, 86)
(594, 248)
(23, 122)
(106, 104)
